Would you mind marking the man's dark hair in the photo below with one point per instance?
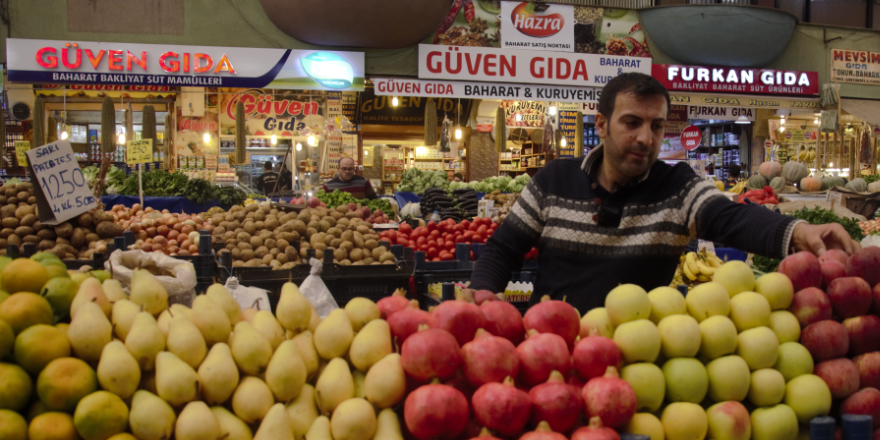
(734, 171)
(267, 165)
(458, 175)
(639, 84)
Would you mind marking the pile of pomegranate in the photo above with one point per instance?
(161, 231)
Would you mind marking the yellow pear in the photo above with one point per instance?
(385, 384)
(180, 309)
(118, 371)
(305, 343)
(334, 386)
(294, 311)
(150, 418)
(211, 320)
(147, 291)
(314, 320)
(218, 375)
(276, 425)
(250, 349)
(197, 422)
(164, 322)
(388, 426)
(320, 430)
(370, 345)
(247, 314)
(354, 419)
(176, 381)
(252, 399)
(265, 323)
(358, 377)
(100, 415)
(286, 372)
(90, 291)
(361, 311)
(333, 335)
(186, 341)
(231, 427)
(113, 290)
(145, 340)
(302, 411)
(89, 332)
(218, 293)
(122, 317)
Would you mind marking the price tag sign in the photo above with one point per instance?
(63, 192)
(705, 244)
(21, 149)
(139, 151)
(834, 196)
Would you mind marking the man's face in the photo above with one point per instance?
(346, 169)
(633, 133)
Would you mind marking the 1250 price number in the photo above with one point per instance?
(63, 183)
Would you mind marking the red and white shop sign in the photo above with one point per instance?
(524, 66)
(537, 26)
(736, 80)
(691, 138)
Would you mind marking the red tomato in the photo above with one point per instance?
(459, 228)
(459, 239)
(466, 224)
(436, 259)
(477, 221)
(446, 256)
(450, 245)
(392, 235)
(431, 243)
(405, 228)
(468, 235)
(477, 239)
(432, 225)
(432, 252)
(482, 230)
(403, 241)
(421, 241)
(434, 234)
(493, 226)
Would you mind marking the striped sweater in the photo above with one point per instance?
(590, 240)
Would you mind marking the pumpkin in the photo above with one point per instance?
(874, 187)
(770, 170)
(778, 184)
(857, 185)
(811, 184)
(794, 172)
(756, 182)
(832, 182)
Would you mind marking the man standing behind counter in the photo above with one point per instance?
(621, 216)
(346, 180)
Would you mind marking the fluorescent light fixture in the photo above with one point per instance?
(64, 135)
(206, 137)
(299, 146)
(394, 102)
(782, 120)
(742, 120)
(552, 110)
(458, 133)
(311, 140)
(121, 138)
(562, 143)
(273, 140)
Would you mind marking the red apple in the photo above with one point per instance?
(832, 270)
(850, 296)
(841, 375)
(869, 369)
(865, 402)
(864, 334)
(865, 264)
(834, 255)
(810, 305)
(825, 340)
(803, 269)
(876, 293)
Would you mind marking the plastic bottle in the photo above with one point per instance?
(435, 216)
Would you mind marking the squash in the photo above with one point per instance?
(874, 187)
(794, 172)
(857, 185)
(756, 182)
(811, 184)
(770, 170)
(832, 182)
(778, 184)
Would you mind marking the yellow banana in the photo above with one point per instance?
(687, 272)
(705, 269)
(691, 262)
(703, 278)
(714, 261)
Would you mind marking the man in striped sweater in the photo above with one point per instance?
(620, 216)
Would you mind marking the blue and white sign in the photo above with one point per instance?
(65, 193)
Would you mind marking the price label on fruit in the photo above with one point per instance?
(62, 192)
(139, 151)
(21, 149)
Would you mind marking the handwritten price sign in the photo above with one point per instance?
(63, 193)
(21, 149)
(139, 151)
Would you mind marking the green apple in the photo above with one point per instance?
(718, 337)
(679, 336)
(686, 380)
(749, 310)
(597, 319)
(778, 422)
(793, 360)
(684, 420)
(735, 276)
(79, 277)
(639, 341)
(729, 421)
(647, 381)
(786, 326)
(758, 346)
(666, 301)
(645, 424)
(729, 378)
(627, 302)
(708, 299)
(809, 396)
(777, 288)
(767, 387)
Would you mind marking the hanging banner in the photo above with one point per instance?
(743, 101)
(527, 114)
(537, 26)
(282, 114)
(88, 62)
(737, 80)
(482, 90)
(100, 91)
(568, 127)
(410, 110)
(719, 113)
(855, 66)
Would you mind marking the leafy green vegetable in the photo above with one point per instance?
(338, 198)
(157, 183)
(200, 191)
(230, 196)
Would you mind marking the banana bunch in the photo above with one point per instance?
(807, 155)
(700, 266)
(739, 188)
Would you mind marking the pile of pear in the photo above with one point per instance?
(133, 367)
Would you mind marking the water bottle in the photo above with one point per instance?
(435, 216)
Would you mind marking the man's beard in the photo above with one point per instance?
(630, 168)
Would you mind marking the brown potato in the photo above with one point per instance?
(261, 252)
(368, 260)
(363, 229)
(31, 239)
(256, 242)
(340, 254)
(247, 254)
(23, 195)
(328, 239)
(47, 234)
(64, 230)
(371, 244)
(21, 231)
(7, 211)
(29, 220)
(78, 239)
(377, 252)
(12, 201)
(45, 245)
(10, 222)
(387, 256)
(92, 237)
(6, 232)
(267, 259)
(356, 255)
(14, 240)
(320, 246)
(358, 242)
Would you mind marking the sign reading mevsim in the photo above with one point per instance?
(855, 66)
(87, 62)
(736, 80)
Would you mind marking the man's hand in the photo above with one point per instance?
(819, 238)
(469, 295)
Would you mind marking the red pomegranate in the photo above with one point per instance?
(460, 318)
(610, 398)
(488, 359)
(482, 296)
(501, 407)
(594, 354)
(595, 431)
(460, 383)
(485, 435)
(555, 402)
(430, 353)
(557, 317)
(543, 432)
(503, 319)
(575, 380)
(435, 412)
(393, 304)
(407, 321)
(540, 354)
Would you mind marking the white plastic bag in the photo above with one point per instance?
(178, 277)
(871, 240)
(248, 296)
(316, 291)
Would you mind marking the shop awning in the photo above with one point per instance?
(868, 111)
(752, 101)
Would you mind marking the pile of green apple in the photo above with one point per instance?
(722, 363)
